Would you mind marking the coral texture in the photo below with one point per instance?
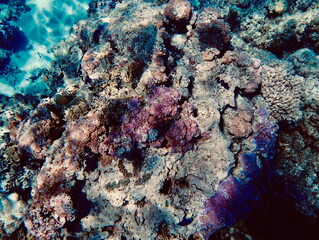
(282, 91)
(237, 193)
(163, 123)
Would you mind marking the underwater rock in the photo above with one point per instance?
(4, 58)
(12, 38)
(12, 10)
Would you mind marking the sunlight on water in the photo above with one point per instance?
(48, 22)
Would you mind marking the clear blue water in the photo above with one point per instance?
(45, 25)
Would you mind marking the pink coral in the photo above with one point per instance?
(181, 135)
(237, 123)
(151, 124)
(39, 130)
(47, 217)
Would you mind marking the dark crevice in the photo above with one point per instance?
(91, 159)
(185, 221)
(190, 86)
(97, 33)
(137, 68)
(221, 123)
(137, 160)
(222, 83)
(169, 83)
(24, 193)
(72, 238)
(82, 206)
(248, 95)
(290, 46)
(167, 186)
(221, 120)
(195, 113)
(182, 182)
(233, 20)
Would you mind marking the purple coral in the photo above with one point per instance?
(236, 193)
(265, 133)
(159, 115)
(233, 197)
(181, 134)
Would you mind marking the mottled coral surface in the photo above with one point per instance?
(167, 120)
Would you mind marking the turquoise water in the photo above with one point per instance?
(46, 24)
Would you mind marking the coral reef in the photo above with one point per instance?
(167, 127)
(278, 26)
(17, 167)
(156, 123)
(12, 38)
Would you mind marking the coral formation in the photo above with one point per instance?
(167, 127)
(271, 29)
(12, 10)
(12, 38)
(237, 123)
(156, 123)
(282, 91)
(237, 193)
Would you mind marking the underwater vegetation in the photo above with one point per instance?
(163, 120)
